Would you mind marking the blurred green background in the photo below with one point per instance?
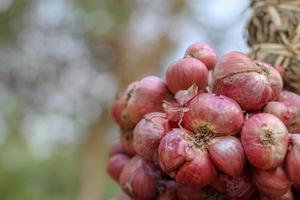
(62, 63)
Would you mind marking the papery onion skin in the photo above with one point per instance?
(116, 164)
(227, 155)
(265, 140)
(204, 53)
(238, 187)
(198, 172)
(148, 133)
(126, 139)
(219, 114)
(139, 178)
(288, 196)
(292, 160)
(292, 101)
(172, 150)
(274, 79)
(185, 162)
(139, 98)
(184, 73)
(279, 110)
(273, 182)
(239, 78)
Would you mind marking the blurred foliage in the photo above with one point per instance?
(24, 177)
(11, 19)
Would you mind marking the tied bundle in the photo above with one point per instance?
(274, 36)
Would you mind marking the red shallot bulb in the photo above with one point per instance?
(251, 84)
(116, 148)
(184, 73)
(287, 109)
(139, 98)
(274, 78)
(279, 110)
(190, 156)
(227, 155)
(219, 115)
(139, 178)
(148, 133)
(238, 187)
(180, 158)
(203, 52)
(292, 101)
(292, 160)
(287, 196)
(265, 140)
(116, 164)
(126, 139)
(272, 182)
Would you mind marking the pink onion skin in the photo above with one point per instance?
(233, 62)
(292, 160)
(148, 133)
(139, 98)
(172, 150)
(279, 110)
(272, 183)
(265, 140)
(198, 172)
(116, 164)
(190, 193)
(239, 78)
(184, 73)
(287, 196)
(183, 161)
(220, 114)
(292, 101)
(139, 178)
(274, 79)
(239, 187)
(227, 154)
(116, 148)
(126, 139)
(170, 191)
(203, 52)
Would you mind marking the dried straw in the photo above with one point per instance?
(274, 36)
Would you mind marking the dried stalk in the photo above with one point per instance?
(274, 37)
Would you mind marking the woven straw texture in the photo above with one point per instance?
(274, 36)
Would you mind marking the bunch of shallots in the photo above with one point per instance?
(213, 129)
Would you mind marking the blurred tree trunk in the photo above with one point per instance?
(93, 167)
(130, 66)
